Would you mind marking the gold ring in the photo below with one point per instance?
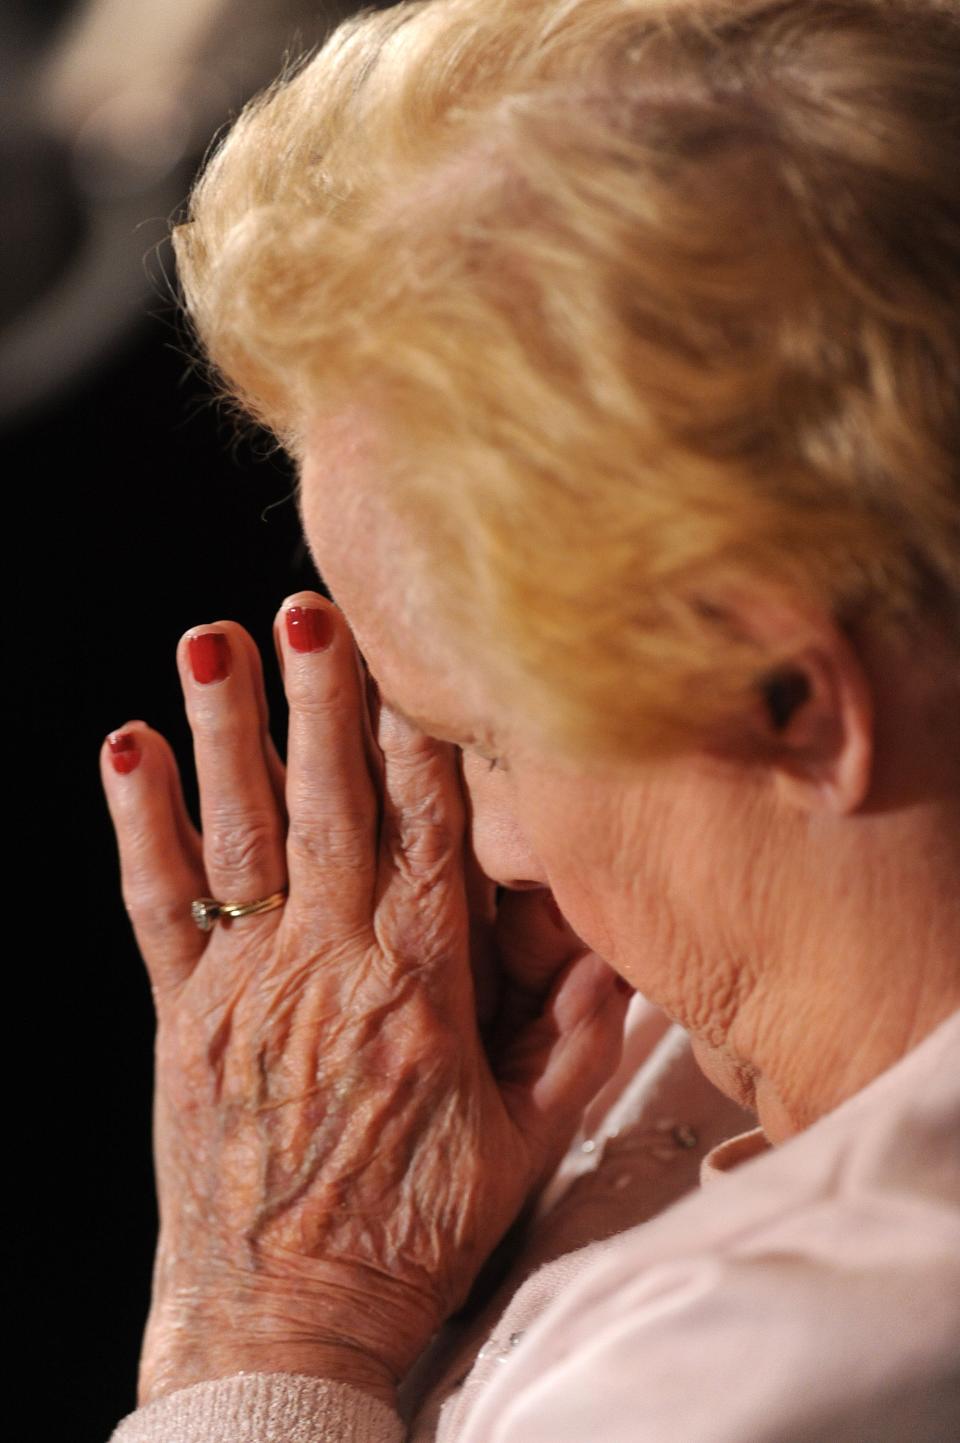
(206, 911)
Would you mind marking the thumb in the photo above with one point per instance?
(534, 941)
(558, 1062)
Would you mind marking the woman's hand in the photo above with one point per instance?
(336, 1151)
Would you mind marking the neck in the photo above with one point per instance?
(852, 983)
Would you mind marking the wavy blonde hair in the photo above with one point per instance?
(652, 299)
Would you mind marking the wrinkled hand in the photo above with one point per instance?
(337, 1149)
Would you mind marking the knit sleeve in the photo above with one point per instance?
(263, 1408)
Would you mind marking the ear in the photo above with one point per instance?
(816, 716)
(812, 724)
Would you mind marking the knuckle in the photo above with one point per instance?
(423, 835)
(246, 844)
(224, 725)
(409, 750)
(342, 843)
(435, 1053)
(321, 691)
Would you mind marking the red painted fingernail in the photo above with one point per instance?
(124, 752)
(209, 657)
(309, 628)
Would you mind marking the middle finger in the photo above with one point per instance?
(333, 804)
(242, 827)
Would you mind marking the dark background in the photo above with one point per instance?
(149, 516)
(136, 508)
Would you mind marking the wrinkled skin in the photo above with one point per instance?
(355, 1093)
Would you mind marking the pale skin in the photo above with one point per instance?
(322, 1077)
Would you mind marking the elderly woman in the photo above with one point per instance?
(617, 342)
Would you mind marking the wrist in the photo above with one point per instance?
(203, 1361)
(340, 1333)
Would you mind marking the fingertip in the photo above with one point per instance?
(187, 636)
(306, 602)
(306, 598)
(123, 748)
(588, 986)
(309, 629)
(306, 622)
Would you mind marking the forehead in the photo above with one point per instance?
(372, 566)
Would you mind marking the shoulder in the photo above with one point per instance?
(814, 1293)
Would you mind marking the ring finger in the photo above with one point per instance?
(243, 844)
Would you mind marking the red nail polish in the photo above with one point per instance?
(124, 752)
(309, 628)
(209, 657)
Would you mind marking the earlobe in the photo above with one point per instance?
(819, 715)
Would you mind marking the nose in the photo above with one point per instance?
(499, 842)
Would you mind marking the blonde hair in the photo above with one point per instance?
(653, 300)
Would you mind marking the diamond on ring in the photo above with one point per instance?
(205, 911)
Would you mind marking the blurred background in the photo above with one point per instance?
(135, 510)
